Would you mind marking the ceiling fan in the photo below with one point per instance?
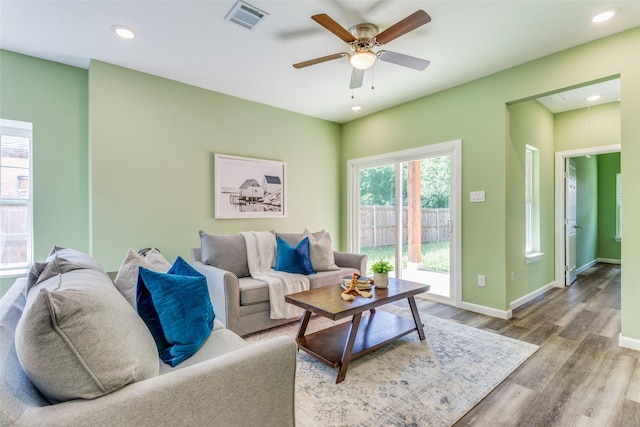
(363, 38)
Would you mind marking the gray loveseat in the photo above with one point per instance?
(227, 382)
(242, 302)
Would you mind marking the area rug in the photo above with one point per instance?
(408, 382)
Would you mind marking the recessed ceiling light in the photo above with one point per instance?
(356, 107)
(123, 31)
(593, 98)
(604, 16)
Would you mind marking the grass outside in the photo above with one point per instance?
(435, 255)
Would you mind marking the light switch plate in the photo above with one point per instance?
(476, 196)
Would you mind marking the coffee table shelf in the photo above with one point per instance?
(376, 329)
(369, 328)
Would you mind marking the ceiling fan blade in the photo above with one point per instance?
(404, 60)
(410, 23)
(327, 22)
(357, 75)
(319, 60)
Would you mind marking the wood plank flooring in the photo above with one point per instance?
(579, 376)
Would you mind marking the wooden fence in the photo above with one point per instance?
(378, 225)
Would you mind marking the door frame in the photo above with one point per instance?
(570, 221)
(559, 202)
(450, 148)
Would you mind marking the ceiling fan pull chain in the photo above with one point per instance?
(372, 74)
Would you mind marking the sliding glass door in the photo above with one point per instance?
(401, 211)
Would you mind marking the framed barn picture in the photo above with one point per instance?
(248, 188)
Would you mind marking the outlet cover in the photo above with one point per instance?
(481, 280)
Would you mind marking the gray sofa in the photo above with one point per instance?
(227, 382)
(242, 302)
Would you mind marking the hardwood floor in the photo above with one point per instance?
(579, 376)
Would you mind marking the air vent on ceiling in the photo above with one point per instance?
(245, 15)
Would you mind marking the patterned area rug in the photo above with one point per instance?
(408, 382)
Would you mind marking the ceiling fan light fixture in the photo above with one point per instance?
(362, 59)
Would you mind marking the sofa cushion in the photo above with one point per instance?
(177, 309)
(79, 339)
(220, 341)
(225, 251)
(321, 251)
(253, 291)
(126, 280)
(292, 259)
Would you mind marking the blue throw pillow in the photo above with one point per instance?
(176, 308)
(293, 260)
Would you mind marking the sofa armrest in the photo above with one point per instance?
(251, 386)
(224, 291)
(348, 259)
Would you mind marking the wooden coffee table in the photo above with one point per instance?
(338, 345)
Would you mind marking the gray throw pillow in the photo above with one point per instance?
(78, 338)
(225, 251)
(126, 280)
(321, 251)
(75, 257)
(34, 274)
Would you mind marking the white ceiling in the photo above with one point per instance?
(572, 99)
(189, 41)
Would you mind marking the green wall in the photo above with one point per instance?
(588, 128)
(149, 172)
(529, 124)
(475, 112)
(54, 98)
(597, 126)
(152, 142)
(608, 167)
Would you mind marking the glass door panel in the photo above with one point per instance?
(404, 218)
(378, 214)
(426, 223)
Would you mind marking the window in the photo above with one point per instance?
(532, 203)
(618, 208)
(16, 200)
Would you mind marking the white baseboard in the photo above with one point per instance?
(609, 260)
(525, 299)
(632, 343)
(587, 265)
(595, 261)
(488, 311)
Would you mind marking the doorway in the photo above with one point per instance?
(404, 207)
(568, 262)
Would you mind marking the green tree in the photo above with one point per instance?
(377, 185)
(435, 187)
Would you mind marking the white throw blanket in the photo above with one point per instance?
(261, 255)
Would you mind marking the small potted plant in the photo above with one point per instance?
(381, 271)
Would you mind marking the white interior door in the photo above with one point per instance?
(570, 221)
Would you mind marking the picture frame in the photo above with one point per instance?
(246, 187)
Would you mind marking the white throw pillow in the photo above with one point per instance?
(127, 278)
(321, 251)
